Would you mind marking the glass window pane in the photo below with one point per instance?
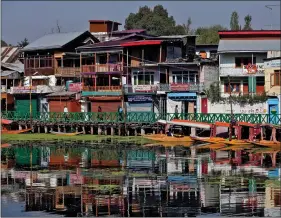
(179, 78)
(147, 79)
(152, 79)
(174, 79)
(140, 79)
(185, 78)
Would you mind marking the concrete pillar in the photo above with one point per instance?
(119, 130)
(26, 127)
(83, 129)
(64, 129)
(153, 132)
(136, 132)
(52, 129)
(46, 129)
(193, 132)
(58, 128)
(128, 132)
(32, 127)
(38, 129)
(142, 132)
(92, 130)
(111, 131)
(99, 130)
(20, 127)
(76, 128)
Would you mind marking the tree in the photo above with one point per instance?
(3, 43)
(248, 20)
(234, 21)
(187, 27)
(23, 43)
(208, 35)
(156, 21)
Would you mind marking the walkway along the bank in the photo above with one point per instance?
(111, 123)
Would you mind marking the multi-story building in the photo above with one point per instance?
(103, 78)
(272, 74)
(241, 58)
(49, 62)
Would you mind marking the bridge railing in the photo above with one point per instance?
(136, 117)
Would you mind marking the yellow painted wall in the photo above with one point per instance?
(270, 90)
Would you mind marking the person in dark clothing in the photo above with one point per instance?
(176, 112)
(120, 113)
(99, 113)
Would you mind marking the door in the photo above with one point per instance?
(23, 106)
(204, 105)
(273, 115)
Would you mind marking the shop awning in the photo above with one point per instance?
(183, 96)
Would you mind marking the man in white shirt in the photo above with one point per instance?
(65, 110)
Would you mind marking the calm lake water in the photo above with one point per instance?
(111, 179)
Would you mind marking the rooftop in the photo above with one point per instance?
(9, 54)
(251, 33)
(55, 40)
(128, 31)
(104, 21)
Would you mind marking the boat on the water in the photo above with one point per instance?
(213, 140)
(165, 138)
(6, 128)
(66, 133)
(266, 143)
(6, 131)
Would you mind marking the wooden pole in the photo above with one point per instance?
(231, 111)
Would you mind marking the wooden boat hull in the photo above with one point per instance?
(165, 138)
(266, 143)
(66, 134)
(169, 144)
(5, 131)
(236, 142)
(208, 139)
(6, 145)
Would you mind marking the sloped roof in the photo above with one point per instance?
(129, 31)
(9, 54)
(260, 45)
(54, 41)
(19, 67)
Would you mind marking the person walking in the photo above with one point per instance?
(176, 112)
(65, 111)
(120, 113)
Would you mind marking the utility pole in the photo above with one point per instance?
(30, 100)
(231, 111)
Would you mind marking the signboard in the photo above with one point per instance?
(273, 64)
(75, 179)
(179, 87)
(144, 88)
(23, 89)
(75, 87)
(253, 69)
(139, 98)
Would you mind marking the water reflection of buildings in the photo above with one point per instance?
(140, 182)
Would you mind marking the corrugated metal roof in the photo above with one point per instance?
(52, 41)
(9, 54)
(7, 72)
(19, 67)
(61, 94)
(249, 45)
(176, 36)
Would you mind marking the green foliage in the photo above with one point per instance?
(248, 20)
(156, 21)
(187, 27)
(234, 21)
(23, 43)
(209, 35)
(213, 93)
(3, 43)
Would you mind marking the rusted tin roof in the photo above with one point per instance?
(9, 54)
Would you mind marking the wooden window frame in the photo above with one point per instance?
(276, 75)
(243, 61)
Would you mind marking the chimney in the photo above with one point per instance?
(103, 26)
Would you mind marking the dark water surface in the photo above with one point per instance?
(111, 179)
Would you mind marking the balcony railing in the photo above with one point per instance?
(102, 88)
(232, 71)
(68, 71)
(102, 68)
(190, 87)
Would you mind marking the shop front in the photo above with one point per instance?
(186, 102)
(139, 103)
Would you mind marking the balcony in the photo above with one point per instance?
(45, 71)
(175, 87)
(238, 72)
(67, 71)
(103, 88)
(102, 68)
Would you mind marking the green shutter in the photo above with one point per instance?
(252, 81)
(23, 106)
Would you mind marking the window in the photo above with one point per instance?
(275, 78)
(36, 62)
(146, 78)
(185, 77)
(174, 52)
(240, 61)
(233, 88)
